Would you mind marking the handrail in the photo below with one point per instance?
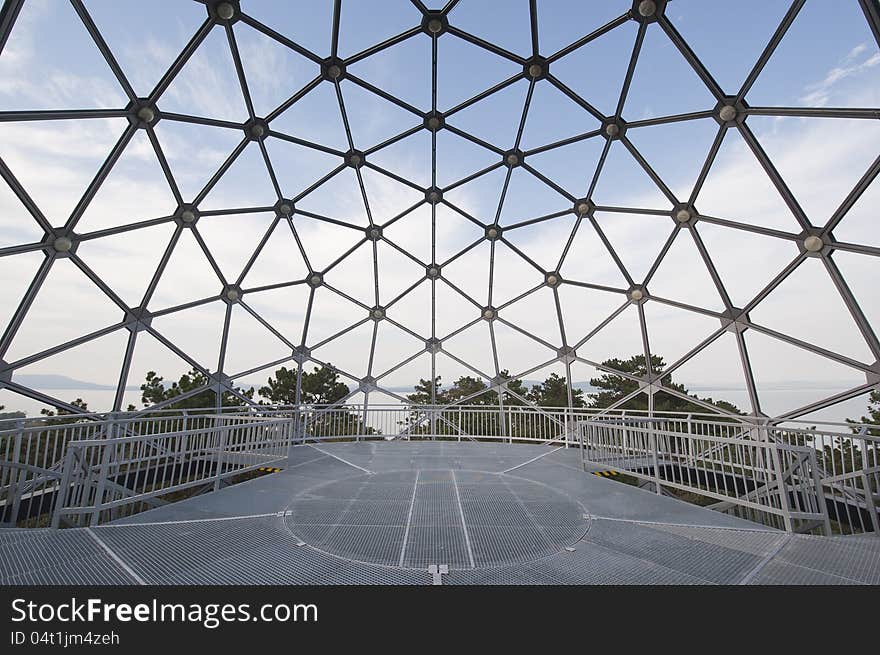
(149, 414)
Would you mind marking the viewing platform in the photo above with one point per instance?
(433, 512)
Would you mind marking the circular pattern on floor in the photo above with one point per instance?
(414, 519)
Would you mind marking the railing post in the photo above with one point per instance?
(292, 429)
(221, 446)
(587, 426)
(108, 445)
(364, 419)
(652, 432)
(691, 458)
(63, 487)
(821, 505)
(184, 437)
(18, 474)
(866, 486)
(653, 441)
(779, 474)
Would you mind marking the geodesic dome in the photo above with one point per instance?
(407, 190)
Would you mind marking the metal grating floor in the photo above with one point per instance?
(383, 513)
(463, 519)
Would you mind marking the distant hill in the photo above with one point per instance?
(51, 381)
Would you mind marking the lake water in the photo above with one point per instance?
(774, 401)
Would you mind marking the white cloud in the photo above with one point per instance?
(819, 94)
(33, 73)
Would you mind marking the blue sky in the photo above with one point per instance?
(828, 58)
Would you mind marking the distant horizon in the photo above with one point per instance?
(57, 381)
(776, 399)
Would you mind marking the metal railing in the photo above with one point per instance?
(122, 473)
(849, 472)
(57, 472)
(797, 479)
(456, 422)
(89, 469)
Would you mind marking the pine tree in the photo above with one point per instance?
(553, 392)
(320, 387)
(614, 387)
(154, 391)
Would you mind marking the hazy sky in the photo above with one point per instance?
(828, 58)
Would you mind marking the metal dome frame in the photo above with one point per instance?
(731, 112)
